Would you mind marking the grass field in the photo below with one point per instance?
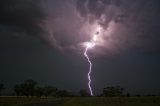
(78, 101)
(117, 101)
(21, 101)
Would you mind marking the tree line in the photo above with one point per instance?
(31, 88)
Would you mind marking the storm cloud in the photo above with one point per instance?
(66, 24)
(136, 22)
(26, 15)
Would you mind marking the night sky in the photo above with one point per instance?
(43, 40)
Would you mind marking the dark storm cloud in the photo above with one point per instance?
(146, 24)
(58, 24)
(97, 8)
(25, 15)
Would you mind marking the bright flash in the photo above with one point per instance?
(95, 38)
(90, 45)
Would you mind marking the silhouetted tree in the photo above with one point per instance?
(18, 90)
(39, 91)
(138, 95)
(30, 88)
(128, 95)
(27, 88)
(63, 93)
(113, 91)
(1, 88)
(84, 93)
(50, 91)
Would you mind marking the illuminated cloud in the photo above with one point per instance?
(66, 25)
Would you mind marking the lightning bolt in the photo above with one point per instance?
(89, 45)
(90, 70)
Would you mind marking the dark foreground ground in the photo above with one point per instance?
(77, 101)
(31, 101)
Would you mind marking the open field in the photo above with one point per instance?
(116, 101)
(79, 101)
(27, 101)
